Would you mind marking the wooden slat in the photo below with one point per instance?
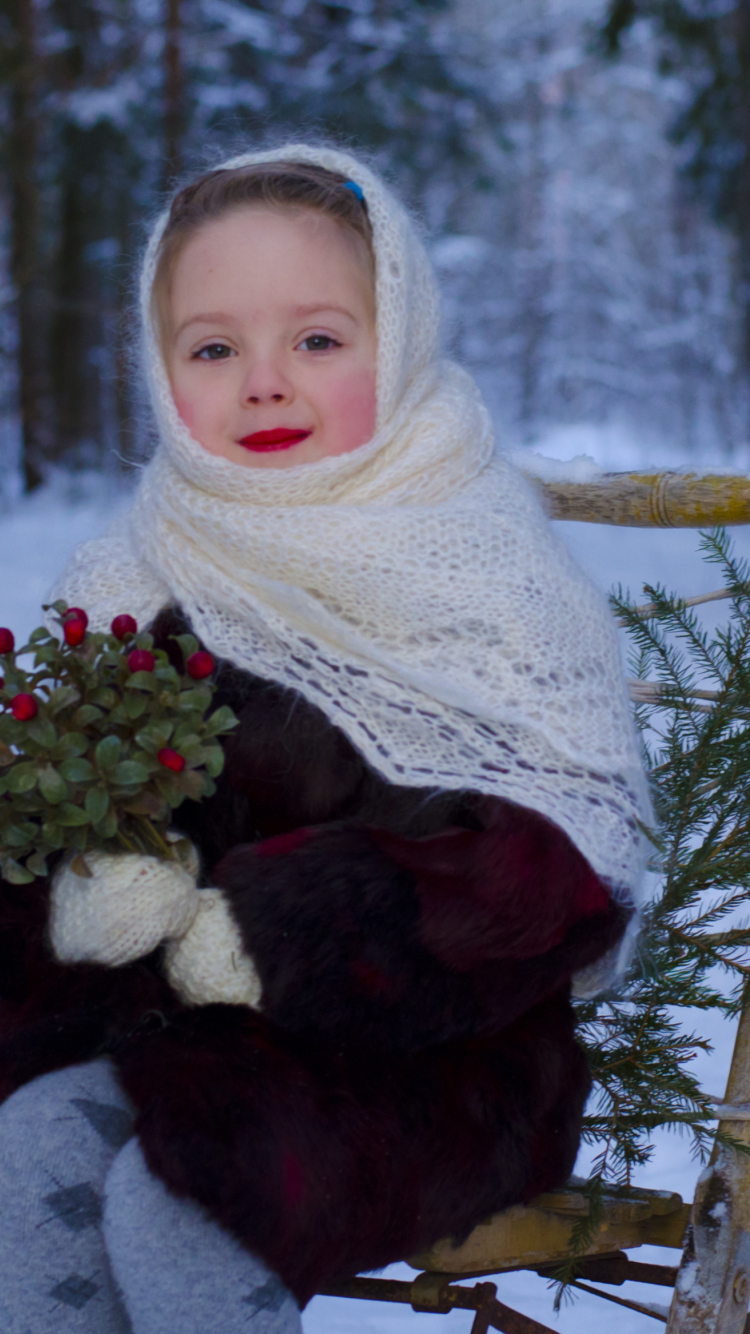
(650, 499)
(537, 1235)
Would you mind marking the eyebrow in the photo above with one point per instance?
(221, 317)
(323, 306)
(209, 317)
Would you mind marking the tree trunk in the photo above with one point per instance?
(174, 92)
(24, 191)
(69, 342)
(743, 188)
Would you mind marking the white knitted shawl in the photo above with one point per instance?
(412, 589)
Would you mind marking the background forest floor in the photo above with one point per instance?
(36, 537)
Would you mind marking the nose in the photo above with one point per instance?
(265, 382)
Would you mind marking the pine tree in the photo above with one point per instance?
(693, 718)
(711, 43)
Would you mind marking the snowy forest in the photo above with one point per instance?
(578, 165)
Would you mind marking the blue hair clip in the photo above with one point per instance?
(356, 190)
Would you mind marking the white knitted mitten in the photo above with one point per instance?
(209, 964)
(131, 903)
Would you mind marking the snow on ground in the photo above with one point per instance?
(37, 536)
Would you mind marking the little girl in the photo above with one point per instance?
(349, 1033)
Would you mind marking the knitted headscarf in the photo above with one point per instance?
(412, 589)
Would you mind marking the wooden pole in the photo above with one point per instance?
(650, 499)
(742, 43)
(24, 225)
(713, 1282)
(174, 92)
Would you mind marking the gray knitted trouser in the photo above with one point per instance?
(92, 1243)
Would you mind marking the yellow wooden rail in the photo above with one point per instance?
(538, 1234)
(650, 499)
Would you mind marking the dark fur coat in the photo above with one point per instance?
(413, 1068)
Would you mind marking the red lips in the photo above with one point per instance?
(282, 437)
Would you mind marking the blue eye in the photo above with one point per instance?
(214, 352)
(318, 343)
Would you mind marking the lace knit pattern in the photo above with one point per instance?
(412, 589)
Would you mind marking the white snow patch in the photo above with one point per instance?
(688, 1282)
(614, 447)
(582, 468)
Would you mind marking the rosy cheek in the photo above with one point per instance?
(185, 409)
(352, 407)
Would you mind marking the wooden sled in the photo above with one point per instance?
(710, 1279)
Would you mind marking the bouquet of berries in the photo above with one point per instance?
(100, 740)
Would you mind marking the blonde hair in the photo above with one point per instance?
(280, 185)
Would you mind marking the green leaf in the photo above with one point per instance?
(39, 635)
(191, 783)
(129, 773)
(37, 863)
(47, 654)
(107, 753)
(187, 742)
(135, 705)
(142, 681)
(108, 826)
(221, 720)
(15, 836)
(105, 697)
(88, 713)
(77, 771)
(213, 760)
(23, 777)
(43, 731)
(78, 836)
(62, 698)
(167, 675)
(52, 785)
(53, 835)
(15, 873)
(69, 745)
(68, 815)
(188, 645)
(10, 729)
(167, 785)
(155, 736)
(147, 803)
(96, 804)
(197, 697)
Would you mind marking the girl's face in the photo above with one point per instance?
(270, 338)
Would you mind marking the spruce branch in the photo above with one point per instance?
(692, 695)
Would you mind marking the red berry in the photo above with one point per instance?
(7, 641)
(171, 760)
(123, 627)
(2, 682)
(77, 614)
(24, 708)
(140, 660)
(200, 665)
(74, 632)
